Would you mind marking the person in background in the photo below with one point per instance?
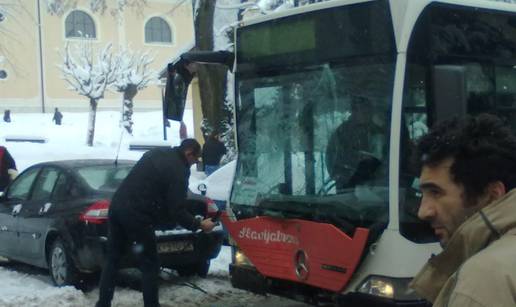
(153, 193)
(355, 149)
(8, 169)
(212, 152)
(468, 186)
(58, 116)
(7, 116)
(183, 133)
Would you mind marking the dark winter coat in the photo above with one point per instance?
(155, 190)
(6, 163)
(58, 116)
(212, 151)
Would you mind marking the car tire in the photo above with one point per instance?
(201, 269)
(61, 266)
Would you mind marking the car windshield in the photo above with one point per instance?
(104, 177)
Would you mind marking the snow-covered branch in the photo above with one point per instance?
(88, 75)
(121, 5)
(98, 6)
(83, 75)
(133, 73)
(60, 7)
(133, 68)
(263, 6)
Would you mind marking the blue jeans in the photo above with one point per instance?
(209, 169)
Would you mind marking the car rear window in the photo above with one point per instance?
(104, 177)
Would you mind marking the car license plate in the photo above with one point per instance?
(175, 247)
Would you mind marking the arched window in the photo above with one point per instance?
(79, 25)
(157, 30)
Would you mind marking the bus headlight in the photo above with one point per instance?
(239, 258)
(388, 287)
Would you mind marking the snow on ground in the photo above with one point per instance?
(68, 141)
(20, 289)
(36, 290)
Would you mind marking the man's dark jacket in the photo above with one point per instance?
(155, 190)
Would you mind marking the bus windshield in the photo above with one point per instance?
(313, 124)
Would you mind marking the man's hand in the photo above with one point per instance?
(207, 225)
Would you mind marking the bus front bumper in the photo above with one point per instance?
(248, 278)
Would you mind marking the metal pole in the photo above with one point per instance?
(163, 103)
(41, 74)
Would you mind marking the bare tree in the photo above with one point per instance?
(89, 76)
(216, 101)
(9, 9)
(212, 78)
(133, 73)
(59, 7)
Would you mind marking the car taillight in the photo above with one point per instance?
(211, 208)
(97, 213)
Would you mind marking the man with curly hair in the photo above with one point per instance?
(468, 180)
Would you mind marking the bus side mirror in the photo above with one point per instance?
(180, 74)
(178, 80)
(449, 92)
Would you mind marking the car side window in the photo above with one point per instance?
(20, 188)
(45, 184)
(62, 189)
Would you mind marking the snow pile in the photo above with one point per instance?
(24, 290)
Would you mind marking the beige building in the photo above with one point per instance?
(32, 38)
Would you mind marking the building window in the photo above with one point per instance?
(157, 30)
(79, 25)
(3, 74)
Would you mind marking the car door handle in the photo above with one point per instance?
(44, 208)
(16, 210)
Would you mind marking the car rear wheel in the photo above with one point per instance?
(200, 269)
(61, 266)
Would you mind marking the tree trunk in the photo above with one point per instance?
(212, 78)
(91, 121)
(127, 107)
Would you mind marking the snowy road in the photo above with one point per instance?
(22, 285)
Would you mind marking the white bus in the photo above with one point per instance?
(330, 100)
